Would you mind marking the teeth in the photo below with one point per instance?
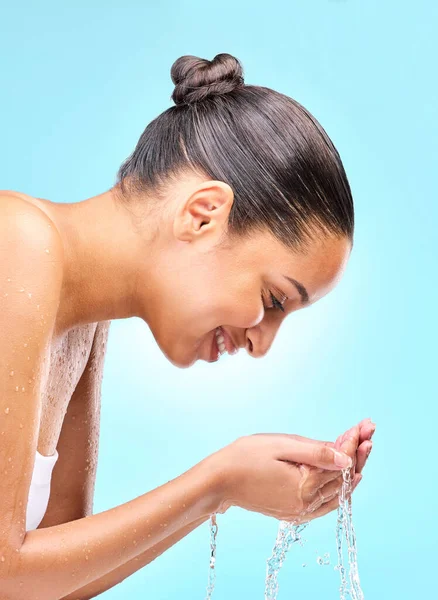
(220, 340)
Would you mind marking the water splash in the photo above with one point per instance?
(339, 537)
(212, 571)
(325, 560)
(345, 525)
(288, 534)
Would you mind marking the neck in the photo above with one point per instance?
(103, 255)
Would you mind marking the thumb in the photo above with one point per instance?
(316, 455)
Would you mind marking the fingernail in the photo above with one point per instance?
(369, 450)
(342, 460)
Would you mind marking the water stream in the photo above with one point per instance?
(212, 570)
(290, 533)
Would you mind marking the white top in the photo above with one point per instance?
(39, 491)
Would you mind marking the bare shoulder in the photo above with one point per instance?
(27, 231)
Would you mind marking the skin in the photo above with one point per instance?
(142, 266)
(119, 263)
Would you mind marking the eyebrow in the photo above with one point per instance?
(301, 289)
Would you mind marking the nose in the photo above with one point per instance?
(259, 339)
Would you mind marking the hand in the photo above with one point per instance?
(287, 476)
(356, 442)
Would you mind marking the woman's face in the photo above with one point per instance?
(200, 284)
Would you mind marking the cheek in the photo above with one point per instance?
(244, 313)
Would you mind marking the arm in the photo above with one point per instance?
(55, 561)
(72, 485)
(74, 475)
(106, 582)
(52, 562)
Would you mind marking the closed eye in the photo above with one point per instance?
(276, 304)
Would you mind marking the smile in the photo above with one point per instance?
(223, 343)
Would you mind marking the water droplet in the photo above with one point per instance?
(5, 295)
(21, 425)
(22, 389)
(7, 411)
(38, 306)
(9, 279)
(3, 559)
(47, 250)
(16, 388)
(30, 294)
(25, 345)
(11, 373)
(21, 290)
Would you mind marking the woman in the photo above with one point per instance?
(232, 212)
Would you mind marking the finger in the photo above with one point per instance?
(351, 441)
(301, 438)
(324, 494)
(320, 477)
(340, 440)
(316, 455)
(346, 443)
(329, 490)
(332, 503)
(363, 453)
(367, 429)
(334, 491)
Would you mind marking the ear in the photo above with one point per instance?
(204, 214)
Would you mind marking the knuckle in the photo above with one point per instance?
(324, 454)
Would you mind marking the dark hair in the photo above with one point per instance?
(286, 174)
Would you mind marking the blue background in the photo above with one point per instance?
(80, 81)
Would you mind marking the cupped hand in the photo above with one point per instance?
(356, 442)
(287, 476)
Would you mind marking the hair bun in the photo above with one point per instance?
(197, 78)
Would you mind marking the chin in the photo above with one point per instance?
(181, 360)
